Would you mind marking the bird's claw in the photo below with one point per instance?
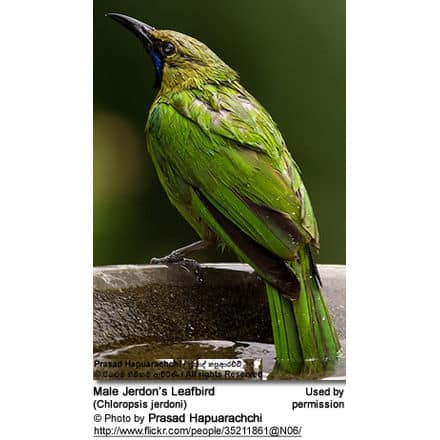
(168, 259)
(187, 263)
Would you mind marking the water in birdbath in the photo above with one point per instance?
(157, 322)
(198, 360)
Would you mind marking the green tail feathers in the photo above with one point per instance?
(306, 342)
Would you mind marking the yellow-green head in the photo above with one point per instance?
(180, 61)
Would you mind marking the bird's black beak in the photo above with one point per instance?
(141, 30)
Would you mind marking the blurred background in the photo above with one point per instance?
(291, 57)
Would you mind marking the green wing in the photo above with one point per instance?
(229, 152)
(223, 142)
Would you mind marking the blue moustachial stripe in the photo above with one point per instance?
(158, 65)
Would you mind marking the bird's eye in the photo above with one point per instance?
(168, 48)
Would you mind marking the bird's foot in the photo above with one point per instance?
(187, 263)
(172, 258)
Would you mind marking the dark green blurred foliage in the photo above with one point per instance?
(290, 55)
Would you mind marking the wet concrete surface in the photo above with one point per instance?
(139, 304)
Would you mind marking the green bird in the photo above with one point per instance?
(225, 166)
